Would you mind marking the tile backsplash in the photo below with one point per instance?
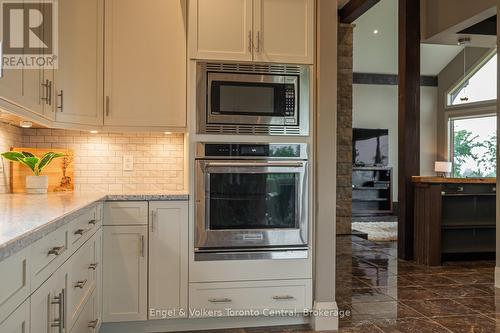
(10, 136)
(98, 164)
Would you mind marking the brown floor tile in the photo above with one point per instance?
(425, 280)
(488, 289)
(413, 326)
(471, 278)
(457, 291)
(438, 307)
(359, 328)
(411, 293)
(488, 304)
(468, 324)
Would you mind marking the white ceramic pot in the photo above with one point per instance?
(37, 184)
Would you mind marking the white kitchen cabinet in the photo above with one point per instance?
(275, 31)
(168, 258)
(11, 86)
(125, 272)
(222, 29)
(18, 321)
(145, 63)
(79, 78)
(48, 304)
(284, 31)
(87, 321)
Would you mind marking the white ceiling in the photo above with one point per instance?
(378, 53)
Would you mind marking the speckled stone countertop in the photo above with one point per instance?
(24, 219)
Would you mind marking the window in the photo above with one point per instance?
(479, 86)
(474, 146)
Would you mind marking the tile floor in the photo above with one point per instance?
(379, 293)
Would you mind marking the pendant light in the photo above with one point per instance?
(464, 42)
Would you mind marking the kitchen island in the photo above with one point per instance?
(454, 218)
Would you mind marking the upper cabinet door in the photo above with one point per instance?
(145, 63)
(221, 30)
(79, 79)
(284, 31)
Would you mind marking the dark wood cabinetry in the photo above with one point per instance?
(453, 217)
(371, 191)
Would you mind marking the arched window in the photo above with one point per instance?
(479, 86)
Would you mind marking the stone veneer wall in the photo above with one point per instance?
(10, 136)
(344, 129)
(98, 164)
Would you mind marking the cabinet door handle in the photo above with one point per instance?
(142, 246)
(107, 106)
(59, 322)
(45, 86)
(49, 94)
(80, 284)
(257, 49)
(61, 99)
(153, 220)
(250, 41)
(93, 266)
(283, 298)
(93, 323)
(220, 300)
(56, 250)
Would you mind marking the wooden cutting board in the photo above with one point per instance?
(60, 171)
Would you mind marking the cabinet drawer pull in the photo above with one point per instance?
(93, 323)
(56, 250)
(92, 222)
(220, 300)
(282, 298)
(81, 284)
(81, 232)
(93, 266)
(61, 98)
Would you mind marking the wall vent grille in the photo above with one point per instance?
(254, 68)
(252, 130)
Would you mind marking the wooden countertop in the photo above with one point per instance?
(441, 180)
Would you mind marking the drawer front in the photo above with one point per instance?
(47, 255)
(126, 213)
(82, 228)
(17, 322)
(86, 321)
(81, 279)
(15, 286)
(261, 296)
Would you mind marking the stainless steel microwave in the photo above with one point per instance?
(253, 99)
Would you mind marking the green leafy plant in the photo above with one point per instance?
(36, 164)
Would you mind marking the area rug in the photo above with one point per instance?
(378, 231)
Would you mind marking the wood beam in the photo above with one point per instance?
(408, 120)
(355, 9)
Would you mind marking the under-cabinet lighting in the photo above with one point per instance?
(26, 124)
(168, 133)
(94, 132)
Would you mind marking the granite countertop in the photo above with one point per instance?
(24, 219)
(441, 180)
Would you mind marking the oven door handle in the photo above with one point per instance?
(256, 164)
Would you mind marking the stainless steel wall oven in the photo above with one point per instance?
(266, 99)
(251, 198)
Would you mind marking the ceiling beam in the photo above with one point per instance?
(355, 9)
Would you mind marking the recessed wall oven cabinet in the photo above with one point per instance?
(261, 99)
(251, 198)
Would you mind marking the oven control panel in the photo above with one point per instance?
(252, 150)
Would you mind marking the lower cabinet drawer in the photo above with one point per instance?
(87, 321)
(81, 279)
(82, 228)
(224, 299)
(47, 254)
(18, 321)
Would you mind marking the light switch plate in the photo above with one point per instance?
(128, 163)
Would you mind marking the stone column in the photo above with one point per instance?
(344, 128)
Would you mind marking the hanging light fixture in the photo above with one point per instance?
(465, 98)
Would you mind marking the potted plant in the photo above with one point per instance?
(36, 184)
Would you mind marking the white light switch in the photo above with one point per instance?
(128, 163)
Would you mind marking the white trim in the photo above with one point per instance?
(178, 325)
(322, 318)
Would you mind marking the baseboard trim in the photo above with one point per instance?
(325, 316)
(179, 325)
(497, 277)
